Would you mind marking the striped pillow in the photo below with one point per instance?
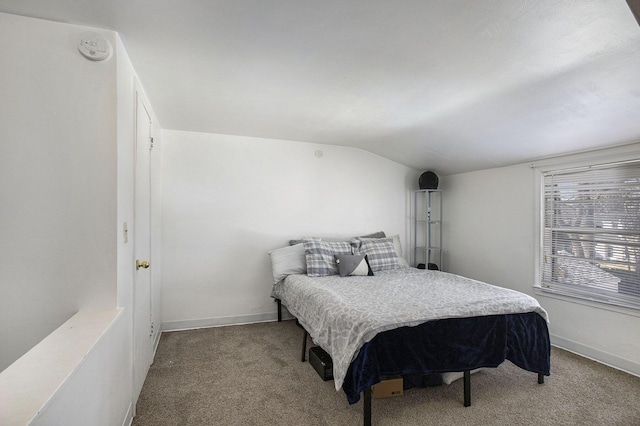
(320, 256)
(380, 252)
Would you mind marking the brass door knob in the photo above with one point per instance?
(142, 264)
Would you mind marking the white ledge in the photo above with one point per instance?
(28, 384)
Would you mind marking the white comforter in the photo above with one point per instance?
(343, 313)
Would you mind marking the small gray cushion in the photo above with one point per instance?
(353, 264)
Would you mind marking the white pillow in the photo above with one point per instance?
(288, 260)
(396, 244)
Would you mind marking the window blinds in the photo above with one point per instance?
(591, 233)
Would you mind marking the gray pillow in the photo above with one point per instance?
(379, 234)
(397, 245)
(320, 256)
(381, 253)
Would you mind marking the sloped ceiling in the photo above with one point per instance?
(443, 85)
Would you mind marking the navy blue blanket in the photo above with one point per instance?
(456, 344)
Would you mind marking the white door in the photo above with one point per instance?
(142, 312)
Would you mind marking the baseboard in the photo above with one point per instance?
(156, 342)
(597, 355)
(222, 321)
(128, 419)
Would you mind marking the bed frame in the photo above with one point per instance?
(367, 391)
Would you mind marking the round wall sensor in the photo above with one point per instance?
(318, 154)
(93, 46)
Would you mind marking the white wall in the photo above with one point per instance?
(228, 200)
(66, 185)
(490, 230)
(57, 181)
(488, 227)
(95, 394)
(75, 376)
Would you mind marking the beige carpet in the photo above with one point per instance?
(252, 375)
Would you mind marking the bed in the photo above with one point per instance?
(397, 320)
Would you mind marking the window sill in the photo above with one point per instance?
(539, 291)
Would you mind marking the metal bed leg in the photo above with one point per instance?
(540, 378)
(467, 388)
(304, 346)
(367, 406)
(279, 310)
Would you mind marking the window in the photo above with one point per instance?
(591, 233)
